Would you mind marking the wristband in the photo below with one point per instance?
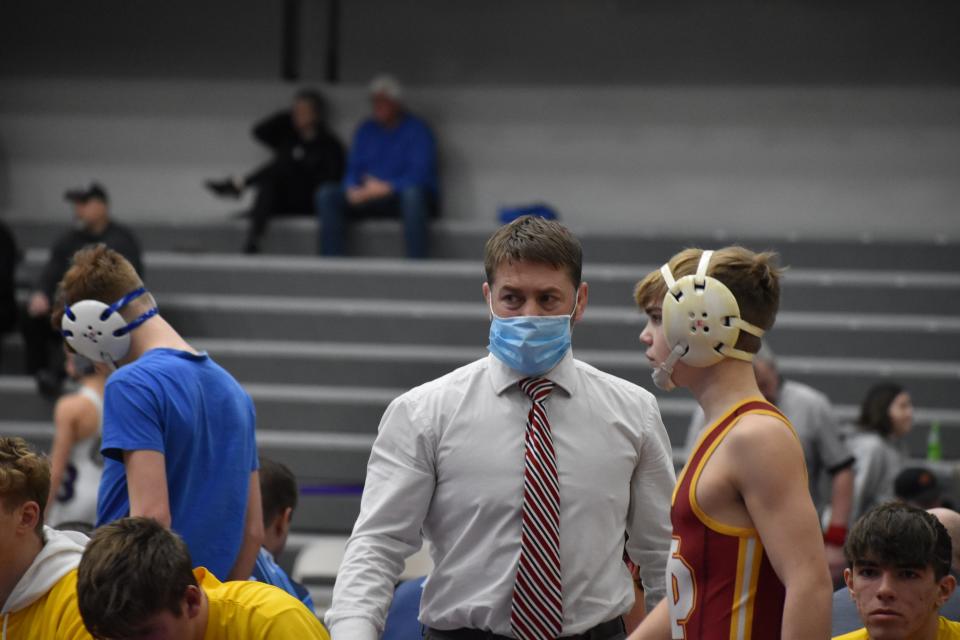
(836, 535)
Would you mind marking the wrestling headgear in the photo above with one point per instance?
(97, 331)
(701, 322)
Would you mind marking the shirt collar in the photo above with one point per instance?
(503, 377)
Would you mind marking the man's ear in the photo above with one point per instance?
(282, 523)
(29, 516)
(848, 578)
(947, 586)
(486, 293)
(583, 292)
(192, 600)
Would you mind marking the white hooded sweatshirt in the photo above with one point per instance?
(59, 556)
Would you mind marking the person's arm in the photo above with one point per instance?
(64, 437)
(648, 515)
(838, 461)
(275, 130)
(356, 162)
(840, 507)
(867, 474)
(656, 626)
(633, 618)
(147, 485)
(252, 532)
(400, 482)
(770, 475)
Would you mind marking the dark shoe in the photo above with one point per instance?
(49, 384)
(251, 247)
(226, 188)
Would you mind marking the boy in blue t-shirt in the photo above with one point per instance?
(179, 440)
(278, 489)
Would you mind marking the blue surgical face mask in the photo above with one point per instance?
(531, 345)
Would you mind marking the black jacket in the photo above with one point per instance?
(322, 157)
(115, 236)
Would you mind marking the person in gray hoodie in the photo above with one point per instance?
(38, 565)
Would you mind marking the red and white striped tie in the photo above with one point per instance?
(537, 610)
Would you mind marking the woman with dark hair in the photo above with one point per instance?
(886, 416)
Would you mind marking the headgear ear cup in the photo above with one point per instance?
(93, 336)
(701, 315)
(97, 331)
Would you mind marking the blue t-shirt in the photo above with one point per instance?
(267, 570)
(193, 412)
(405, 156)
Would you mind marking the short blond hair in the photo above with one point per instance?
(24, 477)
(753, 279)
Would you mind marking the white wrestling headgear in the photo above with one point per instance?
(701, 321)
(97, 331)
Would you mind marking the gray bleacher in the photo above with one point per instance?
(323, 345)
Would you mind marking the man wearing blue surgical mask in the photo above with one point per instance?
(526, 470)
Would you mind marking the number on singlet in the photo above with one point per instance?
(684, 594)
(67, 489)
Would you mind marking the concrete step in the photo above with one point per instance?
(892, 336)
(459, 281)
(402, 366)
(462, 240)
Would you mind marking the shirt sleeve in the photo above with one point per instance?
(420, 167)
(648, 516)
(868, 477)
(834, 453)
(131, 419)
(400, 481)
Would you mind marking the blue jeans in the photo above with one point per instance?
(413, 205)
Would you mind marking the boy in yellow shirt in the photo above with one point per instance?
(136, 581)
(38, 576)
(899, 559)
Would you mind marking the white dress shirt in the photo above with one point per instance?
(449, 462)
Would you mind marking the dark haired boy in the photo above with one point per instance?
(899, 575)
(136, 580)
(278, 491)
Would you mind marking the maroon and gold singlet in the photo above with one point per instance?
(720, 585)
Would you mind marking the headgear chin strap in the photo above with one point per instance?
(701, 319)
(97, 331)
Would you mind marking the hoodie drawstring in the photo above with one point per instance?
(6, 617)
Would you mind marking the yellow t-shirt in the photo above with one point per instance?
(947, 630)
(55, 616)
(245, 609)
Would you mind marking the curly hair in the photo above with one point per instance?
(24, 477)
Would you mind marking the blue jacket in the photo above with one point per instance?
(405, 156)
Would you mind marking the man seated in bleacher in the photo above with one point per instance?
(136, 579)
(278, 493)
(306, 154)
(92, 225)
(38, 565)
(391, 172)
